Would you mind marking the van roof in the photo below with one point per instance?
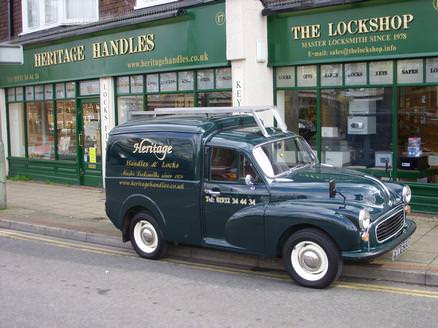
(197, 124)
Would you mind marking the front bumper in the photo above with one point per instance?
(364, 255)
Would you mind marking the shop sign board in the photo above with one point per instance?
(362, 31)
(193, 40)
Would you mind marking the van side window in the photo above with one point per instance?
(224, 164)
(229, 165)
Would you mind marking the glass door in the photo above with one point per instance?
(90, 146)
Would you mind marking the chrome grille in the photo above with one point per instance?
(390, 226)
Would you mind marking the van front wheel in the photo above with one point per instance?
(146, 236)
(312, 258)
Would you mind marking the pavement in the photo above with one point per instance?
(78, 213)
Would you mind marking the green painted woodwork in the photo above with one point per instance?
(417, 40)
(424, 197)
(55, 171)
(193, 40)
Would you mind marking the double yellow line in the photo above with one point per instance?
(216, 268)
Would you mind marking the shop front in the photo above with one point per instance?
(360, 83)
(62, 102)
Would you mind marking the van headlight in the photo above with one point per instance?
(364, 219)
(406, 194)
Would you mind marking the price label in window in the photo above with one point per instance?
(355, 74)
(381, 72)
(431, 70)
(285, 77)
(410, 71)
(331, 75)
(306, 76)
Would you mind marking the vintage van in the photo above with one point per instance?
(223, 179)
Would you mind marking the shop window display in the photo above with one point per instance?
(418, 132)
(40, 130)
(299, 110)
(66, 129)
(126, 105)
(356, 127)
(16, 130)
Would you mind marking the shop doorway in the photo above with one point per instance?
(90, 145)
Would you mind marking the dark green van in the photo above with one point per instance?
(221, 178)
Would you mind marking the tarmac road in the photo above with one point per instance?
(48, 282)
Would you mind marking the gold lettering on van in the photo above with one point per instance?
(160, 151)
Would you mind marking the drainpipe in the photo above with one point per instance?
(10, 19)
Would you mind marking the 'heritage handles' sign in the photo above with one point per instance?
(368, 30)
(195, 39)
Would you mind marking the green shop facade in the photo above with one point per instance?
(360, 83)
(62, 102)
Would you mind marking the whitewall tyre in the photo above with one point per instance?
(312, 259)
(146, 236)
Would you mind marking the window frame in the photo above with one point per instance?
(139, 4)
(241, 155)
(62, 16)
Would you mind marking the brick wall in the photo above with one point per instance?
(4, 26)
(4, 19)
(115, 8)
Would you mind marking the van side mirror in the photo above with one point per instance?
(332, 188)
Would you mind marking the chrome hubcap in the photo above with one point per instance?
(309, 260)
(145, 236)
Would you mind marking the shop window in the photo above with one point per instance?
(29, 93)
(40, 130)
(19, 94)
(60, 90)
(215, 99)
(48, 91)
(66, 129)
(70, 89)
(136, 83)
(122, 84)
(89, 87)
(205, 79)
(356, 127)
(11, 94)
(39, 92)
(298, 107)
(223, 78)
(126, 105)
(16, 129)
(152, 83)
(418, 134)
(170, 100)
(186, 81)
(43, 14)
(168, 82)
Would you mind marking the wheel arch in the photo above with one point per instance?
(134, 204)
(294, 228)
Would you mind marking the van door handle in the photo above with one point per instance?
(212, 192)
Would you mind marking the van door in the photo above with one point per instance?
(233, 211)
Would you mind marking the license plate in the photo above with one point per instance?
(400, 249)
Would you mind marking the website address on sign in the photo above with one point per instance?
(169, 61)
(352, 51)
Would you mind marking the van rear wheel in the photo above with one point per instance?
(146, 237)
(312, 259)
